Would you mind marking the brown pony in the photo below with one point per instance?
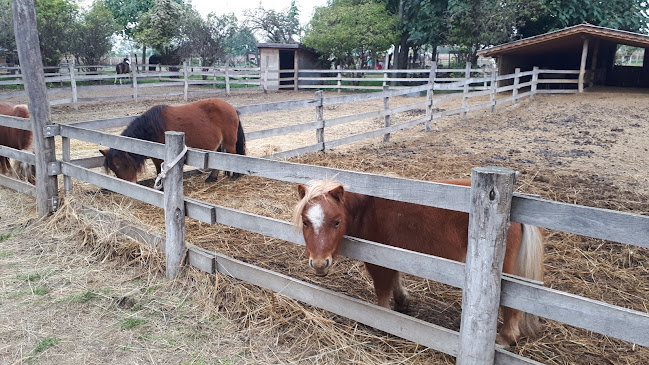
(327, 212)
(15, 138)
(123, 67)
(208, 124)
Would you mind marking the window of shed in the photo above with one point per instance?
(629, 56)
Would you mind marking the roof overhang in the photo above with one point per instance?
(570, 38)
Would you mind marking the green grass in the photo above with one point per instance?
(31, 277)
(131, 323)
(45, 344)
(81, 298)
(40, 290)
(5, 236)
(5, 254)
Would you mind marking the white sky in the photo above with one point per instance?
(237, 7)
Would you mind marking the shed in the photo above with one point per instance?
(585, 47)
(288, 58)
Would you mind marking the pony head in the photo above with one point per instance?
(321, 216)
(123, 164)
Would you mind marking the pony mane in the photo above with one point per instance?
(149, 126)
(314, 188)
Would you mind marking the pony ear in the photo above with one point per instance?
(104, 152)
(337, 192)
(301, 189)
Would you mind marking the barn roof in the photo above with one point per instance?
(567, 38)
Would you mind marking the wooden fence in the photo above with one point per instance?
(517, 293)
(198, 80)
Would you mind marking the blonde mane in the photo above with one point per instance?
(314, 188)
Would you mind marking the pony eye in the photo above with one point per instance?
(337, 223)
(305, 223)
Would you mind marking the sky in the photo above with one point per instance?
(237, 7)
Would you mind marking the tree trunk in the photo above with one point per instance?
(145, 60)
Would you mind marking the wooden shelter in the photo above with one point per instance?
(283, 62)
(585, 47)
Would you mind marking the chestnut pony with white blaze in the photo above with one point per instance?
(210, 124)
(327, 212)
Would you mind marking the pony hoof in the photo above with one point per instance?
(211, 179)
(501, 340)
(235, 176)
(402, 306)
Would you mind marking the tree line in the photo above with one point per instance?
(345, 32)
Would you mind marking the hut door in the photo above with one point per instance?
(286, 62)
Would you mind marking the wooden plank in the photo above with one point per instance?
(558, 81)
(17, 185)
(560, 91)
(373, 133)
(296, 152)
(128, 144)
(89, 162)
(19, 155)
(104, 123)
(592, 315)
(569, 72)
(272, 107)
(409, 328)
(413, 191)
(491, 195)
(486, 105)
(15, 122)
(586, 221)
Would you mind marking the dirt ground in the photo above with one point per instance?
(588, 149)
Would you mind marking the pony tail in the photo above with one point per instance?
(241, 138)
(529, 264)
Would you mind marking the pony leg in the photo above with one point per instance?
(214, 175)
(4, 165)
(400, 294)
(383, 279)
(158, 165)
(510, 332)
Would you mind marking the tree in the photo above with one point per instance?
(241, 42)
(92, 34)
(127, 13)
(349, 30)
(7, 37)
(630, 15)
(276, 27)
(53, 18)
(208, 38)
(476, 24)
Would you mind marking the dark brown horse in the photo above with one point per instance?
(15, 138)
(208, 124)
(123, 67)
(326, 213)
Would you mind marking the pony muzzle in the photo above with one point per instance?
(321, 266)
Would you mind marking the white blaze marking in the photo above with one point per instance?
(316, 217)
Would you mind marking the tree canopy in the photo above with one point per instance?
(93, 32)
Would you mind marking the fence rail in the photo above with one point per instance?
(517, 293)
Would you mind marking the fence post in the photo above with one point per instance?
(340, 79)
(134, 70)
(215, 69)
(174, 204)
(319, 117)
(465, 91)
(429, 94)
(517, 80)
(186, 75)
(296, 71)
(266, 77)
(73, 85)
(491, 195)
(227, 79)
(24, 20)
(65, 147)
(386, 118)
(494, 88)
(535, 81)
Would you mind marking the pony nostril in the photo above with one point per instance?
(311, 264)
(326, 263)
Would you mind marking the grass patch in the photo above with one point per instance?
(45, 344)
(131, 323)
(81, 298)
(5, 236)
(40, 290)
(31, 277)
(5, 254)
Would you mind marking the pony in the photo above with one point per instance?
(16, 138)
(326, 213)
(210, 124)
(123, 67)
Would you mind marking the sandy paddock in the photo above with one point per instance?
(588, 149)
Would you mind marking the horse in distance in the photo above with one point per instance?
(123, 67)
(210, 124)
(326, 213)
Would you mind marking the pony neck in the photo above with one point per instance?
(357, 208)
(149, 126)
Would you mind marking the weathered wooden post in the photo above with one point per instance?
(186, 76)
(339, 79)
(535, 81)
(465, 90)
(582, 67)
(517, 80)
(266, 76)
(386, 118)
(494, 88)
(491, 196)
(29, 53)
(227, 79)
(65, 147)
(134, 71)
(73, 86)
(174, 204)
(296, 71)
(319, 117)
(429, 94)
